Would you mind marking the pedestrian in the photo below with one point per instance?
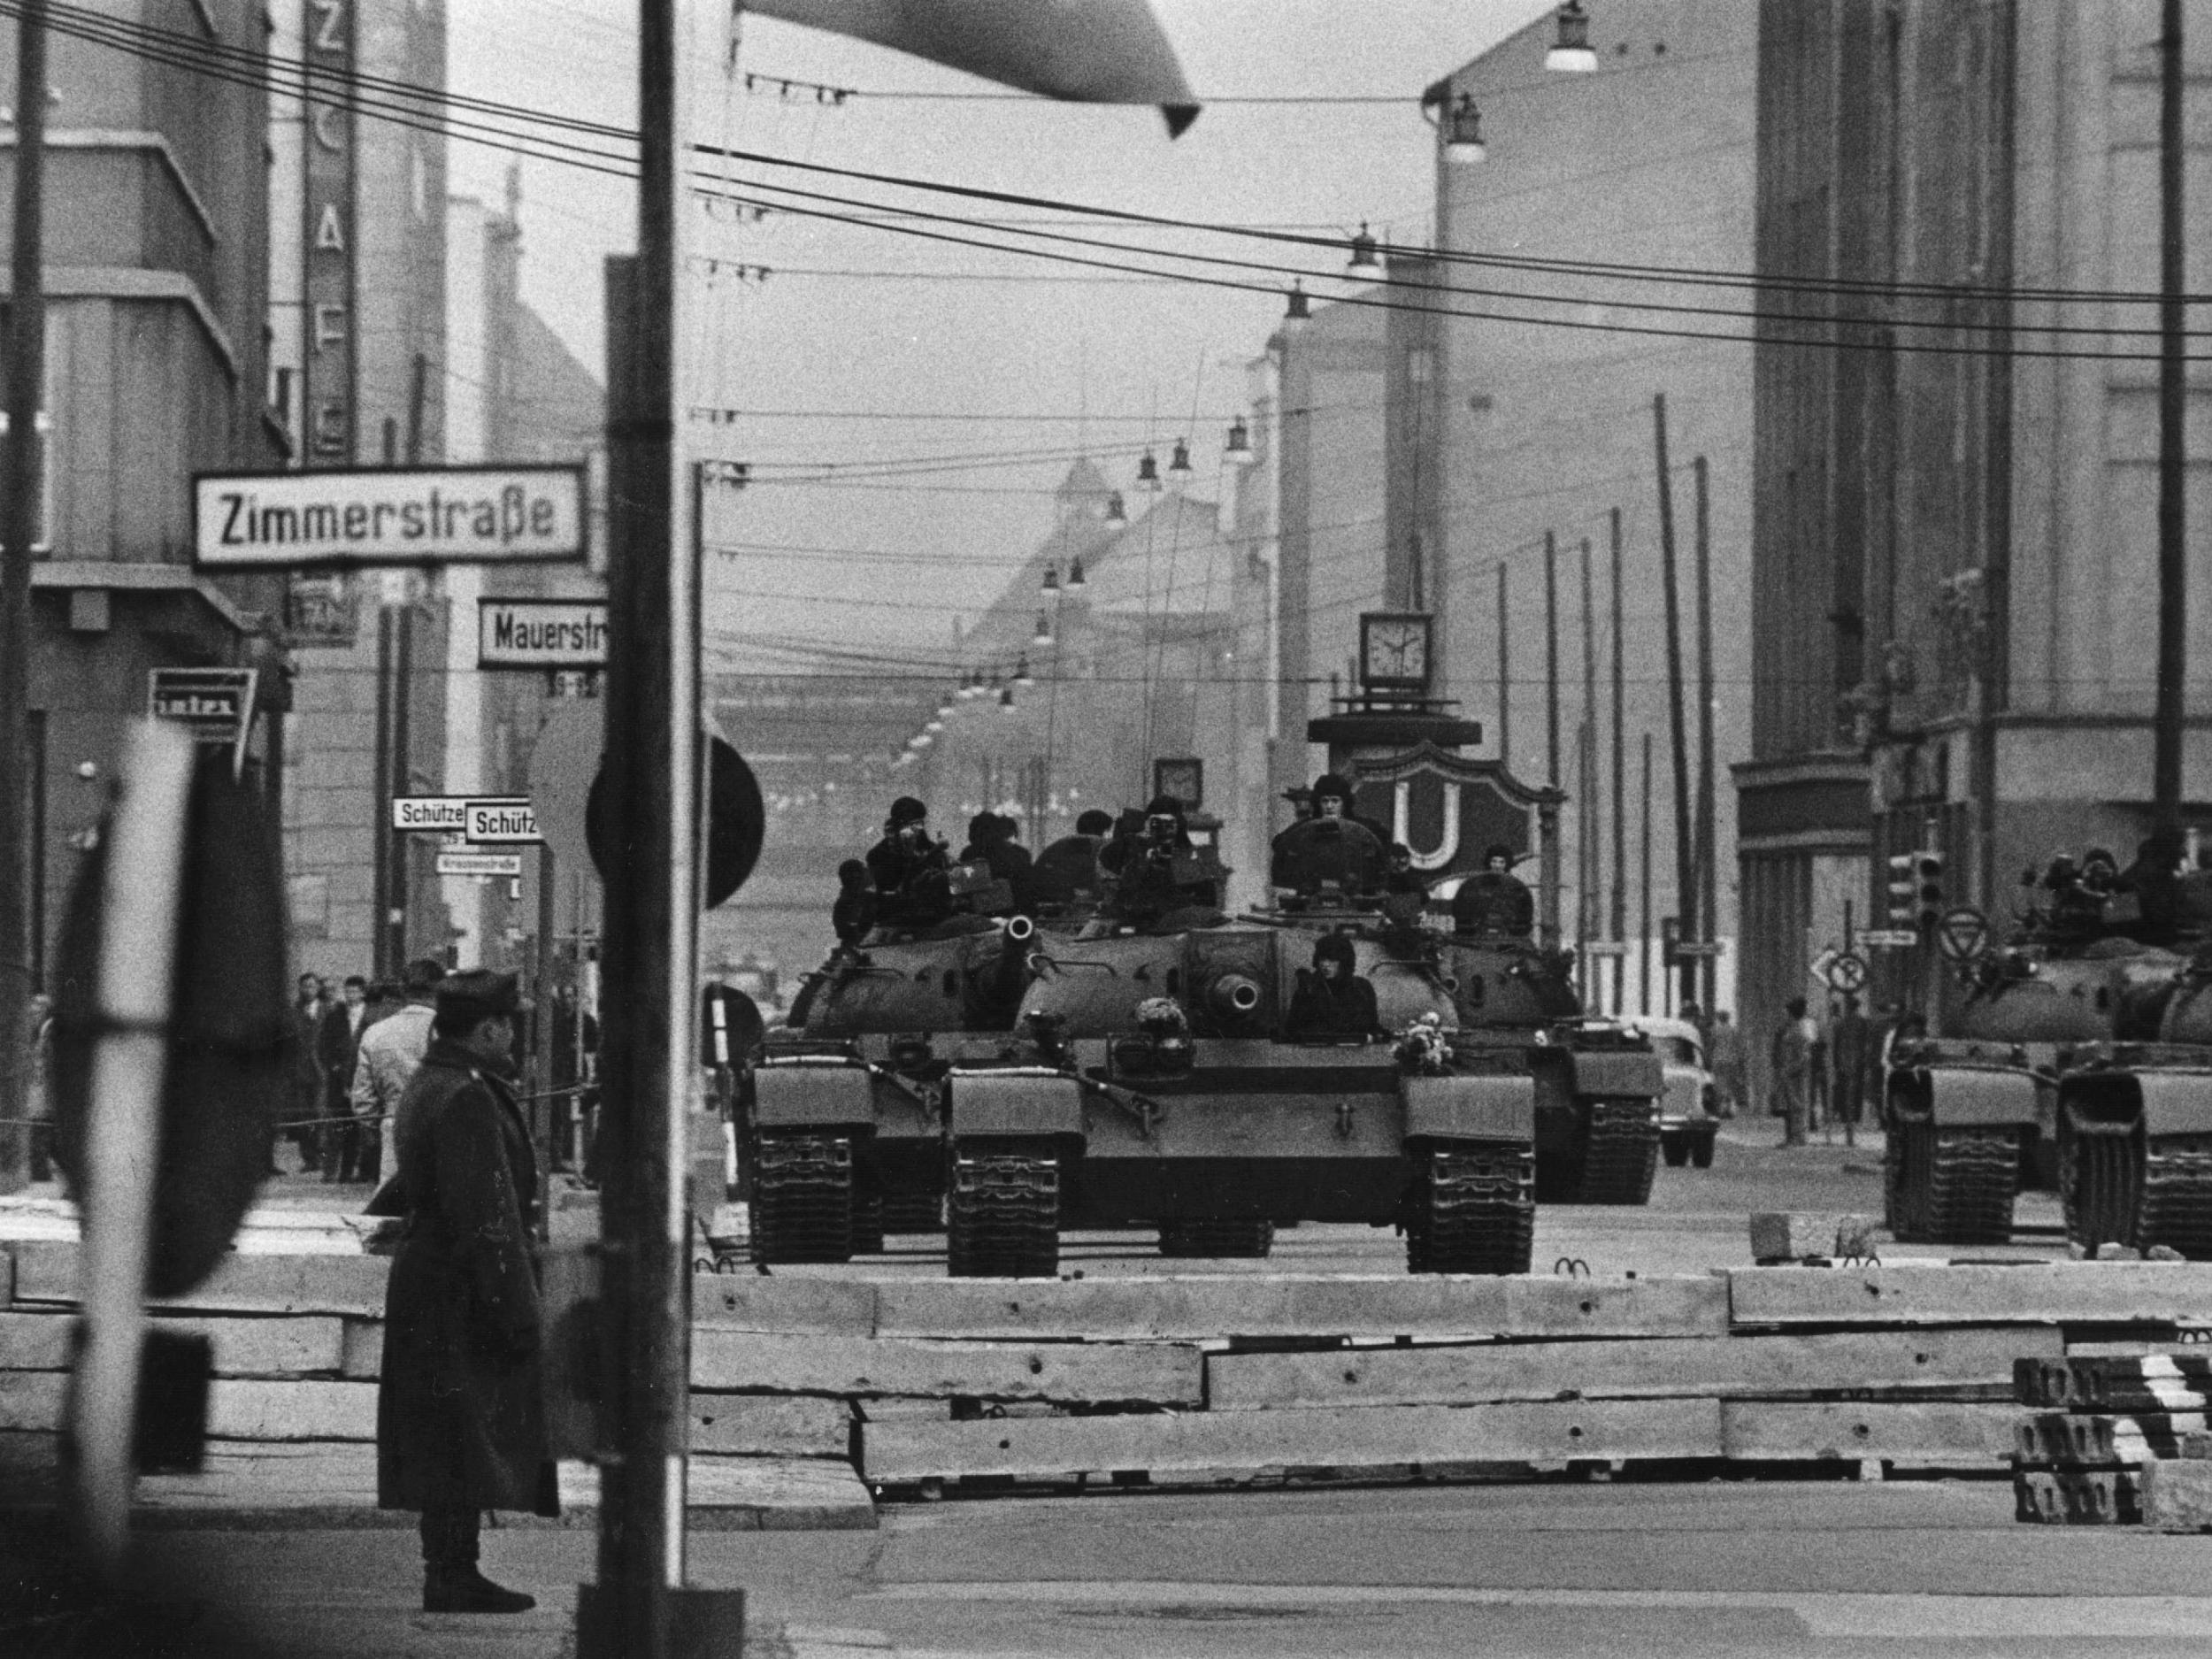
(1851, 1057)
(1726, 1058)
(1792, 1058)
(337, 1044)
(1817, 1113)
(39, 1100)
(460, 1426)
(308, 1089)
(575, 1054)
(390, 1051)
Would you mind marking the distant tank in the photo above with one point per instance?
(844, 1118)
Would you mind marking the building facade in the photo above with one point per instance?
(1972, 496)
(155, 233)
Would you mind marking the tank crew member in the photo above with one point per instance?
(1494, 900)
(1154, 869)
(1333, 798)
(1332, 999)
(991, 844)
(1399, 875)
(909, 869)
(855, 912)
(1069, 867)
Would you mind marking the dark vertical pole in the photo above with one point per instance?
(1505, 676)
(1551, 659)
(1684, 877)
(1589, 819)
(418, 400)
(648, 947)
(25, 385)
(1643, 949)
(402, 781)
(1707, 829)
(1619, 929)
(2173, 569)
(543, 1115)
(387, 838)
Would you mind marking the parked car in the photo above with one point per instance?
(1689, 1107)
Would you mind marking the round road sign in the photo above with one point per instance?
(1847, 972)
(1963, 933)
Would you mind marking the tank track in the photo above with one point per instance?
(1004, 1216)
(1950, 1186)
(803, 1198)
(1473, 1210)
(913, 1212)
(1620, 1154)
(868, 1223)
(1245, 1240)
(2119, 1190)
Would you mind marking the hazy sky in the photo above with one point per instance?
(913, 329)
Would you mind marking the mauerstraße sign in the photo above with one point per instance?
(451, 515)
(540, 634)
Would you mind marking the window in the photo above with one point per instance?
(42, 538)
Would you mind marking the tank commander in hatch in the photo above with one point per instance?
(1069, 866)
(911, 869)
(1495, 901)
(1333, 1002)
(1156, 870)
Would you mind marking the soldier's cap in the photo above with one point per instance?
(1165, 806)
(479, 993)
(1330, 783)
(422, 973)
(907, 810)
(1334, 948)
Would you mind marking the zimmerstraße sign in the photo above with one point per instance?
(446, 515)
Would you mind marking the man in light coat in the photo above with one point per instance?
(390, 1051)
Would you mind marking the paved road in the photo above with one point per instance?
(1786, 1570)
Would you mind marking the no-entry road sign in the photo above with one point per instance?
(449, 515)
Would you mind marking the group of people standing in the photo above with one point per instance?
(356, 1055)
(1825, 1070)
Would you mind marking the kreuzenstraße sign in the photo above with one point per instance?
(540, 634)
(446, 515)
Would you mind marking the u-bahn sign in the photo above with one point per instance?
(540, 634)
(448, 515)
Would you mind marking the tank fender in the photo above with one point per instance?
(809, 1093)
(1014, 1101)
(1495, 1108)
(1960, 1098)
(1616, 1074)
(2175, 1102)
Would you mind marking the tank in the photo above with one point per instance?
(1168, 1094)
(843, 1119)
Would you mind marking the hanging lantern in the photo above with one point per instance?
(934, 727)
(1148, 470)
(1572, 52)
(1116, 512)
(1240, 440)
(1365, 262)
(1052, 578)
(1462, 133)
(1075, 567)
(1006, 698)
(1021, 676)
(1178, 467)
(1043, 635)
(1300, 309)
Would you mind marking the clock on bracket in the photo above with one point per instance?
(1393, 650)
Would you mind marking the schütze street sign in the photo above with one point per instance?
(448, 515)
(444, 814)
(495, 823)
(467, 863)
(540, 634)
(1889, 937)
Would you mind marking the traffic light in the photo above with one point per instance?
(1928, 886)
(1903, 888)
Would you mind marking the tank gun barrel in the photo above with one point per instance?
(1234, 996)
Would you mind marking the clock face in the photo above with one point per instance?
(1396, 651)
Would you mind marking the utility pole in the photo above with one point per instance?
(25, 385)
(649, 945)
(1707, 863)
(1505, 676)
(1620, 782)
(1589, 821)
(1685, 876)
(2173, 553)
(1551, 659)
(1643, 944)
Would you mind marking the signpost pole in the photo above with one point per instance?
(542, 1120)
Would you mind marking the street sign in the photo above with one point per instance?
(1889, 937)
(500, 823)
(466, 864)
(1962, 933)
(1699, 948)
(1847, 972)
(1825, 960)
(540, 634)
(216, 704)
(1604, 948)
(488, 515)
(443, 813)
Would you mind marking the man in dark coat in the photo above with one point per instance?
(1333, 1002)
(460, 1426)
(337, 1045)
(910, 868)
(991, 842)
(1494, 900)
(1069, 866)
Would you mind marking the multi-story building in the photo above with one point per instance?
(356, 322)
(155, 233)
(1957, 541)
(1525, 393)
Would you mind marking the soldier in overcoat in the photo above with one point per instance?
(460, 1425)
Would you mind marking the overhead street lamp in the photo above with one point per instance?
(1572, 52)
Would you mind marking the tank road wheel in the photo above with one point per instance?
(1674, 1146)
(1003, 1218)
(1950, 1186)
(1621, 1155)
(913, 1212)
(1472, 1211)
(1246, 1240)
(803, 1198)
